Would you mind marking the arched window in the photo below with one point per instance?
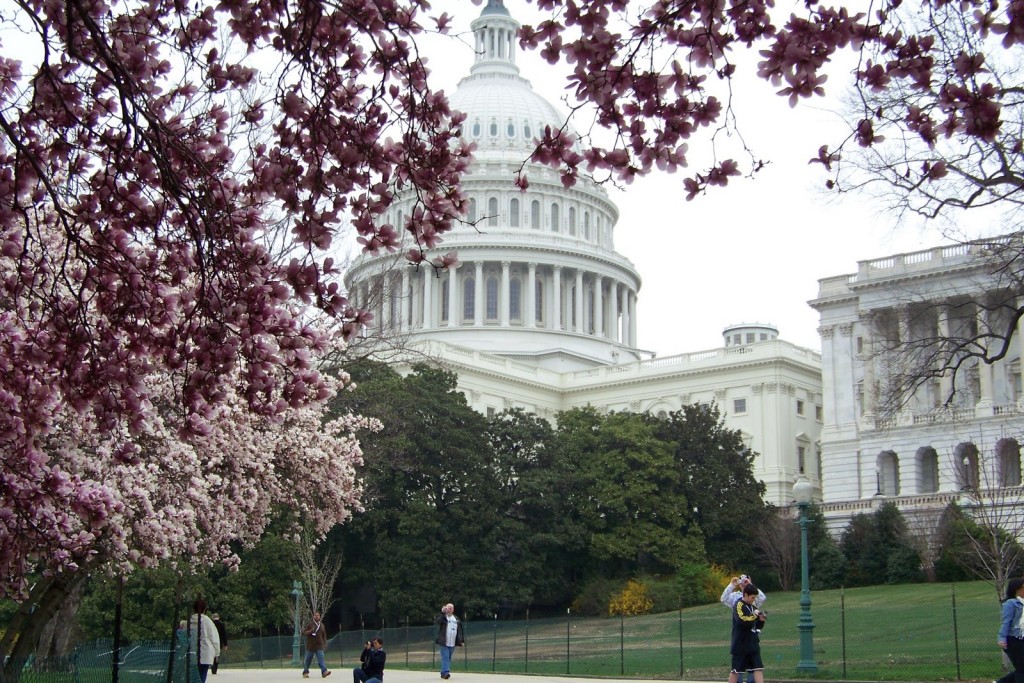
(471, 214)
(586, 225)
(554, 218)
(492, 298)
(476, 129)
(513, 213)
(928, 469)
(965, 462)
(401, 217)
(494, 128)
(515, 291)
(469, 298)
(492, 211)
(1008, 454)
(538, 301)
(526, 130)
(511, 129)
(887, 470)
(535, 215)
(572, 220)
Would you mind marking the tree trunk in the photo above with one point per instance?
(58, 635)
(25, 629)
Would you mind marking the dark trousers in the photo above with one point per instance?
(1015, 651)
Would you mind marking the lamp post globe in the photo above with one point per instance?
(802, 494)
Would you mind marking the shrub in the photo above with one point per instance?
(631, 601)
(595, 595)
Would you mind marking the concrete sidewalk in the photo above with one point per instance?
(344, 675)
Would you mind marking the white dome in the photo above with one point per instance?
(502, 110)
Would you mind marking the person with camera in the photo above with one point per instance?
(449, 637)
(371, 662)
(745, 648)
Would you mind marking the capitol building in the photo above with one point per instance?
(541, 314)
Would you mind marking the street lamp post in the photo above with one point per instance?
(297, 592)
(802, 492)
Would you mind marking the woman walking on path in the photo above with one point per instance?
(1011, 630)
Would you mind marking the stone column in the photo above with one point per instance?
(986, 402)
(578, 302)
(478, 295)
(406, 317)
(530, 317)
(504, 299)
(385, 302)
(867, 354)
(632, 319)
(624, 307)
(613, 320)
(428, 297)
(556, 299)
(942, 327)
(455, 314)
(598, 305)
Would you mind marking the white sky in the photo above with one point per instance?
(750, 252)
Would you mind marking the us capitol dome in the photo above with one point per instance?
(539, 279)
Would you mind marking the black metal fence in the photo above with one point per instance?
(927, 632)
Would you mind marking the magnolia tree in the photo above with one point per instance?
(147, 145)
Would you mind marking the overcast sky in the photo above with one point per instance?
(749, 252)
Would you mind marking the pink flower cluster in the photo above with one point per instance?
(646, 68)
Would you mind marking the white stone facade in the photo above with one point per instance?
(540, 313)
(927, 452)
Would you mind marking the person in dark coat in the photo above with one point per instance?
(371, 666)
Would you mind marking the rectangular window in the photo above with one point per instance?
(764, 336)
(750, 337)
(801, 457)
(739, 406)
(819, 413)
(799, 407)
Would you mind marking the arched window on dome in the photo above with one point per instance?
(471, 213)
(554, 218)
(538, 301)
(476, 129)
(572, 220)
(511, 129)
(469, 298)
(492, 211)
(586, 225)
(513, 213)
(526, 130)
(494, 128)
(401, 216)
(492, 298)
(535, 215)
(515, 293)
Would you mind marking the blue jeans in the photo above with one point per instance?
(358, 675)
(446, 658)
(319, 660)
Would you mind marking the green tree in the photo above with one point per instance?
(432, 525)
(716, 478)
(645, 522)
(539, 535)
(870, 542)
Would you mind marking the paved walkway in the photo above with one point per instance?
(391, 676)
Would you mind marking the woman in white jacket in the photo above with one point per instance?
(203, 640)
